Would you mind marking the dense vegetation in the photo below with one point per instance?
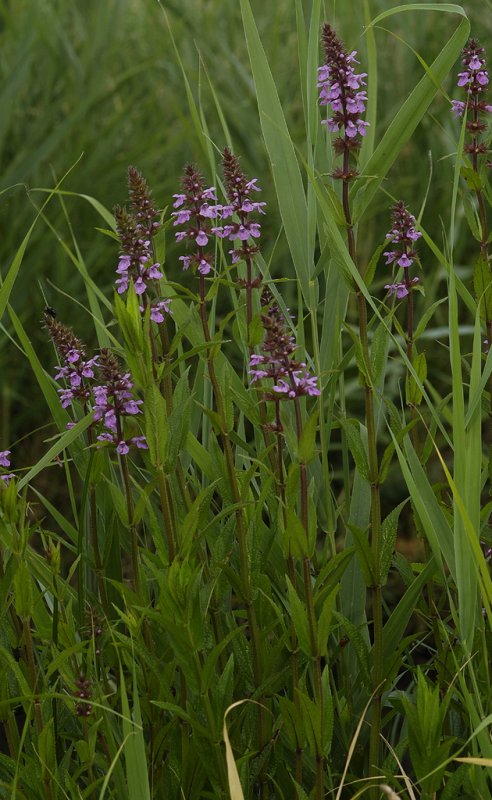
(245, 440)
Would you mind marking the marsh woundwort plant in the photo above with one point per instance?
(206, 531)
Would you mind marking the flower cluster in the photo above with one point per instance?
(136, 231)
(196, 212)
(75, 369)
(5, 462)
(83, 693)
(113, 399)
(340, 88)
(239, 190)
(291, 378)
(108, 394)
(199, 210)
(404, 235)
(474, 79)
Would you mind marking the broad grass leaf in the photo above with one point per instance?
(395, 627)
(413, 109)
(286, 173)
(134, 749)
(482, 284)
(412, 387)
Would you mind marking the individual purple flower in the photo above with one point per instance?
(301, 383)
(474, 80)
(291, 378)
(458, 107)
(159, 310)
(5, 462)
(340, 89)
(400, 289)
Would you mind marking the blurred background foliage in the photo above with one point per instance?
(93, 87)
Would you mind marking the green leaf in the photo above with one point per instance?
(130, 323)
(156, 425)
(373, 263)
(63, 442)
(307, 442)
(352, 432)
(325, 620)
(298, 614)
(295, 540)
(23, 591)
(412, 388)
(472, 179)
(359, 644)
(388, 533)
(119, 503)
(379, 350)
(178, 422)
(256, 331)
(426, 317)
(395, 627)
(471, 216)
(482, 284)
(134, 749)
(312, 722)
(208, 676)
(364, 554)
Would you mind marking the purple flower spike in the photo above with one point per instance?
(474, 79)
(241, 229)
(340, 88)
(75, 368)
(136, 230)
(198, 215)
(404, 235)
(290, 377)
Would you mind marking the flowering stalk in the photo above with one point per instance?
(138, 262)
(404, 235)
(340, 88)
(291, 381)
(239, 189)
(78, 373)
(114, 401)
(246, 234)
(475, 80)
(195, 211)
(109, 396)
